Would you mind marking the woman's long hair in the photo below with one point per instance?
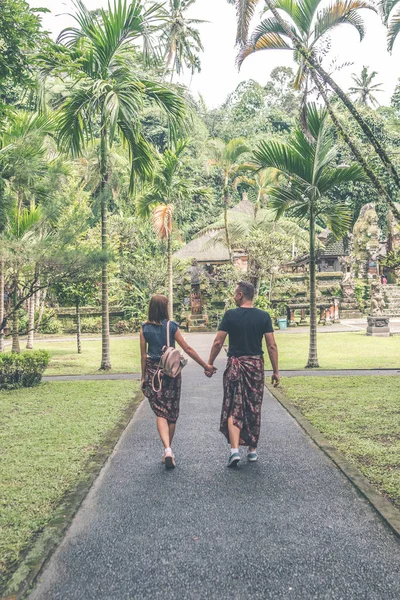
(158, 309)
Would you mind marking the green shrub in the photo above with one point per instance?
(49, 323)
(23, 324)
(22, 370)
(91, 325)
(125, 326)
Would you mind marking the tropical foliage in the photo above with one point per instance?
(100, 182)
(364, 89)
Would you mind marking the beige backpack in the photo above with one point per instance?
(171, 364)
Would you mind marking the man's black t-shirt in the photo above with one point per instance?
(246, 327)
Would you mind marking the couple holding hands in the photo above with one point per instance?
(243, 378)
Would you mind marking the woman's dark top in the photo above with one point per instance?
(246, 328)
(156, 337)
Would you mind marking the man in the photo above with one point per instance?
(244, 375)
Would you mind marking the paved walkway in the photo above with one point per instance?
(288, 527)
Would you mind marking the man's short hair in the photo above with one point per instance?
(247, 289)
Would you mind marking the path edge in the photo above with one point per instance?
(43, 547)
(389, 513)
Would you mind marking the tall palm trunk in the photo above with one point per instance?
(227, 236)
(1, 303)
(316, 66)
(31, 323)
(41, 309)
(15, 330)
(170, 280)
(105, 317)
(257, 204)
(355, 151)
(312, 355)
(78, 326)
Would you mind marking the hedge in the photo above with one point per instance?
(22, 370)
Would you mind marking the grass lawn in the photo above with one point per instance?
(47, 435)
(125, 356)
(340, 351)
(361, 417)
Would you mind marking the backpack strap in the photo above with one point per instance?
(156, 380)
(168, 344)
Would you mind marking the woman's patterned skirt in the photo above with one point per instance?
(164, 403)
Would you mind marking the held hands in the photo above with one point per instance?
(209, 370)
(275, 379)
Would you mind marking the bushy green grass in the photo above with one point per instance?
(47, 435)
(340, 351)
(125, 356)
(361, 417)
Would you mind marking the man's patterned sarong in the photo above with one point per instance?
(243, 395)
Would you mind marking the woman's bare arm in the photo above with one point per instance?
(192, 353)
(143, 352)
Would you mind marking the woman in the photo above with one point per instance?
(165, 403)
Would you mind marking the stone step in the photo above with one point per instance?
(197, 328)
(350, 314)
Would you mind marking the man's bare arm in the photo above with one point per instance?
(217, 346)
(273, 357)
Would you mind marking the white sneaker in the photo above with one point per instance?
(252, 456)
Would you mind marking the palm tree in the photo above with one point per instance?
(24, 156)
(168, 187)
(364, 87)
(260, 183)
(19, 233)
(180, 39)
(300, 29)
(309, 175)
(25, 160)
(225, 158)
(105, 96)
(390, 13)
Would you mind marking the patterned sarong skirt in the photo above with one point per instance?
(243, 395)
(164, 403)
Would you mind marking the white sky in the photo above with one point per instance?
(219, 75)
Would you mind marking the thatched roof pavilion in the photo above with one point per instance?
(206, 253)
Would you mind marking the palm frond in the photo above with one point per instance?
(23, 221)
(301, 12)
(235, 148)
(337, 216)
(394, 29)
(283, 157)
(385, 7)
(245, 10)
(269, 35)
(161, 220)
(337, 176)
(289, 200)
(171, 103)
(141, 153)
(341, 12)
(147, 200)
